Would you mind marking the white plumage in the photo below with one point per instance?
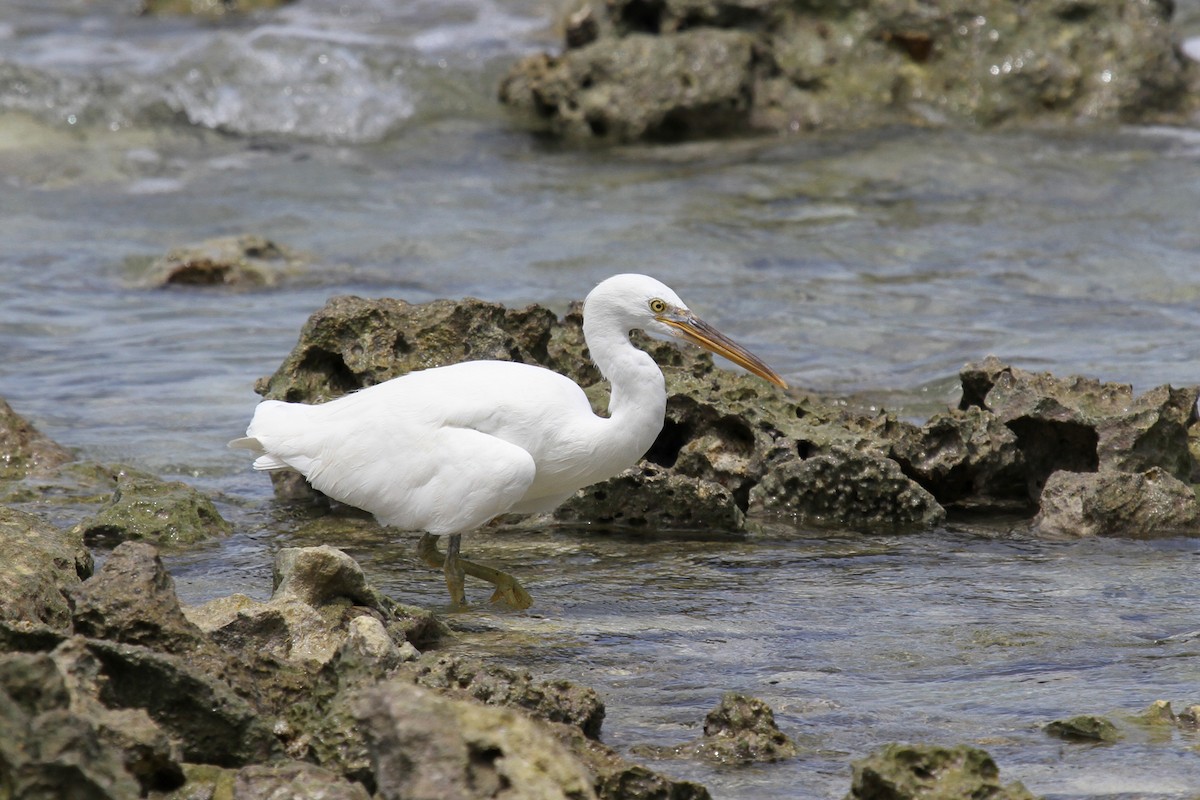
(445, 450)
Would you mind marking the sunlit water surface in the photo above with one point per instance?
(873, 265)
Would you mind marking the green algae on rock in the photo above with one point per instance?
(1084, 728)
(143, 507)
(931, 772)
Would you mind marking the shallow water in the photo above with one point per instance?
(874, 264)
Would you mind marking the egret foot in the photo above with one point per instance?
(508, 592)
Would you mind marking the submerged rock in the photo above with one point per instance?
(236, 261)
(144, 507)
(1112, 503)
(742, 730)
(1084, 728)
(679, 69)
(208, 8)
(930, 772)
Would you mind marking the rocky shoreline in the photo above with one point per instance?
(332, 689)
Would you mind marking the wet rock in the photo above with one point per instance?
(742, 730)
(423, 745)
(648, 496)
(146, 508)
(24, 450)
(1084, 728)
(555, 701)
(846, 488)
(681, 69)
(132, 599)
(39, 566)
(1189, 718)
(1159, 714)
(1111, 503)
(321, 600)
(1079, 424)
(930, 772)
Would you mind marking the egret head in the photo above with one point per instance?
(639, 301)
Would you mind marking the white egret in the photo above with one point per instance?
(446, 450)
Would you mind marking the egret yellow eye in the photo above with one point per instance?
(658, 306)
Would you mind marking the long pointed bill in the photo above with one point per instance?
(697, 331)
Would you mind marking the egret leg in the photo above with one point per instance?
(455, 573)
(508, 590)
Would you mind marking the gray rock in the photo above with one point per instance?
(39, 566)
(132, 599)
(930, 772)
(1109, 503)
(196, 708)
(61, 738)
(320, 601)
(423, 746)
(617, 778)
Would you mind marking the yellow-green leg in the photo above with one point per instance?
(508, 591)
